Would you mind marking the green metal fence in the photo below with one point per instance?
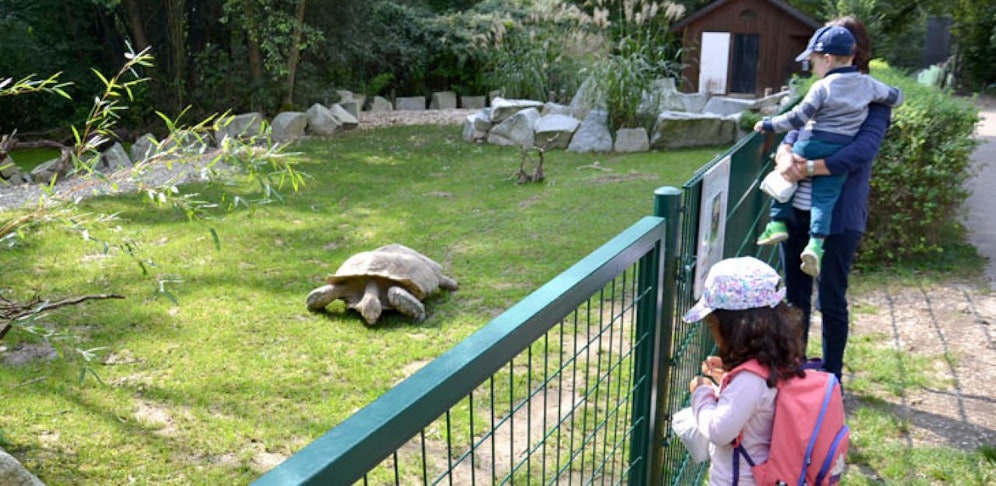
(573, 385)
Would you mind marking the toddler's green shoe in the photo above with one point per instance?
(812, 257)
(774, 232)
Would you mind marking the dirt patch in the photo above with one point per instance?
(24, 353)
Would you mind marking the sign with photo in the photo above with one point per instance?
(712, 221)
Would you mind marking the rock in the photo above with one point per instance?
(244, 126)
(587, 99)
(632, 140)
(555, 131)
(476, 126)
(289, 125)
(12, 473)
(593, 135)
(321, 121)
(187, 142)
(7, 167)
(144, 147)
(472, 102)
(551, 108)
(675, 129)
(443, 100)
(517, 130)
(380, 104)
(345, 118)
(43, 172)
(722, 105)
(502, 108)
(115, 158)
(410, 103)
(351, 107)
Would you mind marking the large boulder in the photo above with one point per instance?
(289, 125)
(321, 121)
(12, 473)
(115, 158)
(593, 135)
(586, 99)
(632, 140)
(502, 108)
(675, 129)
(517, 130)
(144, 147)
(346, 119)
(379, 103)
(555, 131)
(722, 105)
(473, 102)
(476, 126)
(245, 126)
(443, 100)
(410, 103)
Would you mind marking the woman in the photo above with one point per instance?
(850, 216)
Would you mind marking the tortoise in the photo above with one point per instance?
(390, 277)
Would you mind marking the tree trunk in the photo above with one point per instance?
(176, 33)
(250, 27)
(295, 54)
(135, 25)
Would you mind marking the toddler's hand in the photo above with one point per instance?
(759, 126)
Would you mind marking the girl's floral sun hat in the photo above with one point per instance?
(738, 284)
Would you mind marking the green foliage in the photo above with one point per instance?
(976, 27)
(641, 55)
(917, 182)
(535, 51)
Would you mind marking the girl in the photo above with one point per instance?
(742, 305)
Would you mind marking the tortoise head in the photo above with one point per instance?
(369, 306)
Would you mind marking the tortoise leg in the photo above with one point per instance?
(406, 303)
(447, 283)
(323, 296)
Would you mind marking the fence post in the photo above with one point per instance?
(654, 317)
(667, 204)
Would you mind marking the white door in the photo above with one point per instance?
(713, 62)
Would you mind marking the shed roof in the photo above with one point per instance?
(788, 9)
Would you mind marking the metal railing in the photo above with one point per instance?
(575, 384)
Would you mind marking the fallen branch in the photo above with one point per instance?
(11, 310)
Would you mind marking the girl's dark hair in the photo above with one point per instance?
(862, 51)
(771, 335)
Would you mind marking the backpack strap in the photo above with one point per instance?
(739, 450)
(831, 382)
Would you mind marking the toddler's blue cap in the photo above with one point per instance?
(832, 39)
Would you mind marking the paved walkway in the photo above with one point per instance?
(981, 205)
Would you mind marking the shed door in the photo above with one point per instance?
(713, 62)
(745, 52)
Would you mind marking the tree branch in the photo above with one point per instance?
(11, 311)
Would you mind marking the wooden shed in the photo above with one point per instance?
(743, 46)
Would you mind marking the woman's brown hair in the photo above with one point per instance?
(772, 336)
(862, 51)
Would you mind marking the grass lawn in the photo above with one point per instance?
(239, 375)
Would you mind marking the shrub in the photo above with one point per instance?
(531, 51)
(917, 181)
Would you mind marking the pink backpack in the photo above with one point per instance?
(809, 437)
